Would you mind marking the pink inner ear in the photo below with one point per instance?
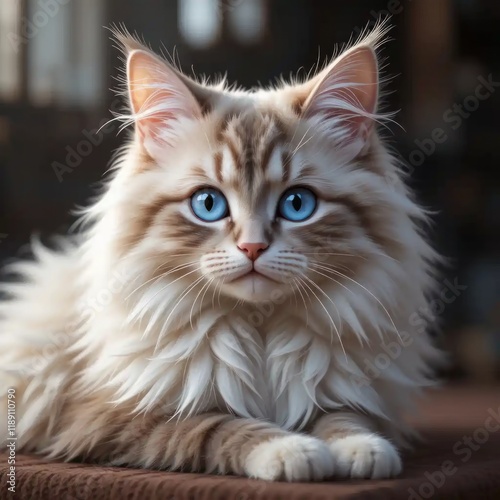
(151, 126)
(157, 95)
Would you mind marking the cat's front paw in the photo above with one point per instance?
(290, 458)
(367, 456)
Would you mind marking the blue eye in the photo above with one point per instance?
(209, 205)
(297, 204)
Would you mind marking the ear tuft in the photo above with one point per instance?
(343, 98)
(346, 95)
(351, 82)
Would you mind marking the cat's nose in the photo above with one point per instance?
(253, 250)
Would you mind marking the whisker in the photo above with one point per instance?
(215, 289)
(338, 273)
(338, 313)
(328, 314)
(292, 282)
(161, 290)
(324, 268)
(180, 267)
(303, 300)
(203, 297)
(299, 146)
(220, 290)
(184, 294)
(332, 254)
(334, 305)
(194, 303)
(238, 302)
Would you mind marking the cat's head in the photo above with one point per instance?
(258, 191)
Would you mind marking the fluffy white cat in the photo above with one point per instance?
(243, 297)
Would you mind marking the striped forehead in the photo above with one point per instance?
(254, 153)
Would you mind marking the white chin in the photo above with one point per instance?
(253, 288)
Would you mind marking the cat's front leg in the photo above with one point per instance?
(224, 444)
(358, 451)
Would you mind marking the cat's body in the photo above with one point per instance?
(146, 342)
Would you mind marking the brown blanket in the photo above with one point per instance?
(459, 459)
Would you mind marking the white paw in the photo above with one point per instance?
(291, 458)
(365, 456)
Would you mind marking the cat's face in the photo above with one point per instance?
(259, 193)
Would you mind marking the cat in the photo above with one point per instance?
(243, 296)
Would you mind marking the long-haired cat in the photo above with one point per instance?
(243, 297)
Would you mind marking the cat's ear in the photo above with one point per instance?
(159, 99)
(343, 98)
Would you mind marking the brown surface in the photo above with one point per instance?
(447, 417)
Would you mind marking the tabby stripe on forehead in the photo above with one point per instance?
(286, 160)
(268, 152)
(218, 166)
(233, 149)
(307, 171)
(249, 159)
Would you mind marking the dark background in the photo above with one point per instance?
(57, 66)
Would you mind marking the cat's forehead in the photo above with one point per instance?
(254, 150)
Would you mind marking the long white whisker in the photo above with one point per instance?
(164, 288)
(180, 267)
(194, 302)
(324, 268)
(203, 297)
(327, 313)
(215, 289)
(294, 152)
(184, 294)
(338, 273)
(303, 300)
(338, 313)
(220, 290)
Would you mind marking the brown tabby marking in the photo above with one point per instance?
(218, 166)
(185, 231)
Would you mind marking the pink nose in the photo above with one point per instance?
(253, 250)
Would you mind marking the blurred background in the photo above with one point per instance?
(57, 66)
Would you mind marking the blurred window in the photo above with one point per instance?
(247, 21)
(10, 50)
(200, 22)
(54, 50)
(66, 54)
